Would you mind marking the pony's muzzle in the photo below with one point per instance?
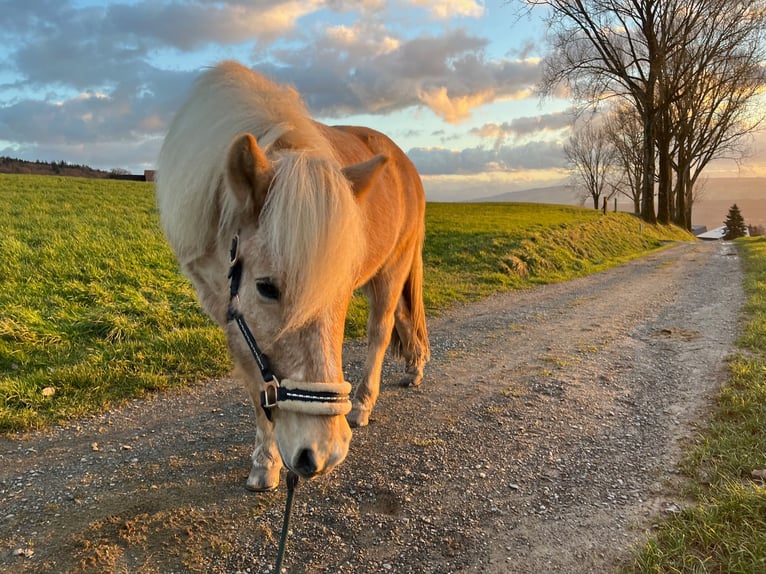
(311, 445)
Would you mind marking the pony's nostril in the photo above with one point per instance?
(306, 465)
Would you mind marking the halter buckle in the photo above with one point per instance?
(270, 394)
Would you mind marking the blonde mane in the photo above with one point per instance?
(309, 215)
(313, 230)
(226, 101)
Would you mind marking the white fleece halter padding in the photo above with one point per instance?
(332, 406)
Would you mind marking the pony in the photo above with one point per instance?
(277, 219)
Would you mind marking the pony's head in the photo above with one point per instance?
(300, 247)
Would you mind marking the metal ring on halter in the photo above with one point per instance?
(270, 394)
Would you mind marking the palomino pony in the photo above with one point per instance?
(277, 219)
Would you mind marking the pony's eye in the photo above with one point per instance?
(267, 289)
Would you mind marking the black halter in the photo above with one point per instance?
(273, 392)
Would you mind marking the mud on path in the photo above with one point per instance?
(544, 439)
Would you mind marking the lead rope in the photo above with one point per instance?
(292, 482)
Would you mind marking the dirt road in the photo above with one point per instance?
(544, 439)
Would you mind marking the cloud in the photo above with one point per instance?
(76, 75)
(372, 40)
(190, 25)
(485, 185)
(525, 126)
(537, 155)
(366, 68)
(457, 109)
(83, 47)
(127, 111)
(444, 9)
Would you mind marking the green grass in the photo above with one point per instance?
(475, 250)
(724, 529)
(91, 303)
(93, 309)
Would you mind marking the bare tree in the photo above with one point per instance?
(715, 110)
(593, 158)
(651, 53)
(613, 47)
(624, 131)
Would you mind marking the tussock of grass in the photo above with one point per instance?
(93, 306)
(568, 251)
(725, 530)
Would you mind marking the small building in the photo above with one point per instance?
(148, 175)
(717, 233)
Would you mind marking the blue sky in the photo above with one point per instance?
(451, 81)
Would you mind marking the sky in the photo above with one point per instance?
(451, 81)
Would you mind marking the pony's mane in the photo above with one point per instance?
(227, 100)
(310, 216)
(312, 229)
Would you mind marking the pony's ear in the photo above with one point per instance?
(362, 175)
(248, 171)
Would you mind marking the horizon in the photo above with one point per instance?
(710, 209)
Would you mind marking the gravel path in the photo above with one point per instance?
(543, 439)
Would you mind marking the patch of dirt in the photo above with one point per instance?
(545, 437)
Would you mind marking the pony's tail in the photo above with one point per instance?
(412, 297)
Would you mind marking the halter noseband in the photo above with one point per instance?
(310, 398)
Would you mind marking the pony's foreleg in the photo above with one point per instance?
(266, 462)
(379, 327)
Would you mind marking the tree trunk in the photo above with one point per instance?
(683, 193)
(647, 169)
(690, 182)
(665, 179)
(679, 208)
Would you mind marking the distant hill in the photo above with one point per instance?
(716, 197)
(560, 194)
(20, 166)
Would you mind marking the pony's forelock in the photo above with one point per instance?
(312, 227)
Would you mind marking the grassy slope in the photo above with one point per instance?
(94, 310)
(724, 530)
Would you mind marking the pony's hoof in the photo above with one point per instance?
(411, 380)
(263, 479)
(358, 417)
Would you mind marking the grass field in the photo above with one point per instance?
(94, 310)
(724, 527)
